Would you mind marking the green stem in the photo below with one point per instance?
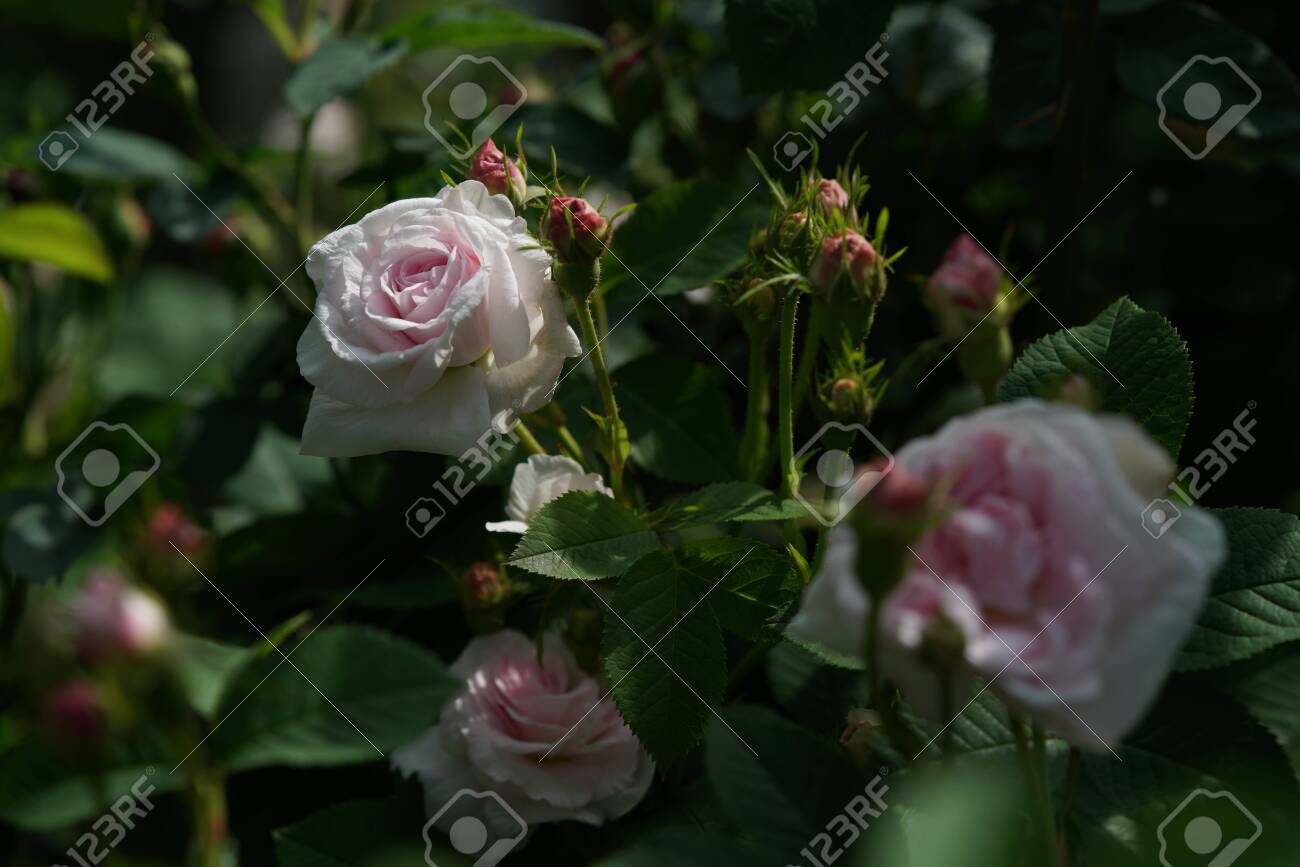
(785, 405)
(210, 822)
(812, 340)
(758, 398)
(570, 444)
(592, 344)
(1033, 762)
(526, 438)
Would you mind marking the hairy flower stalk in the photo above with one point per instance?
(577, 235)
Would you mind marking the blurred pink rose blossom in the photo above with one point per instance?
(967, 278)
(500, 734)
(110, 618)
(1043, 554)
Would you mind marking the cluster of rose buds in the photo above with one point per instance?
(845, 254)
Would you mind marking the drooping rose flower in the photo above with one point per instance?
(539, 480)
(500, 735)
(432, 321)
(845, 251)
(498, 173)
(110, 618)
(1042, 553)
(831, 196)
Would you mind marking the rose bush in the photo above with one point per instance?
(433, 317)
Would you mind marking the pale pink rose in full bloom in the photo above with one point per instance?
(433, 322)
(539, 480)
(500, 733)
(1043, 553)
(966, 284)
(110, 618)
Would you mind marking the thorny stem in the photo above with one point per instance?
(785, 406)
(592, 344)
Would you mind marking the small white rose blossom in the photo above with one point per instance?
(539, 480)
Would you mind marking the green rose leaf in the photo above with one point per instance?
(340, 65)
(1254, 601)
(1133, 357)
(54, 235)
(1157, 43)
(467, 28)
(1270, 690)
(801, 44)
(665, 695)
(747, 582)
(729, 501)
(363, 834)
(684, 235)
(583, 535)
(678, 418)
(348, 694)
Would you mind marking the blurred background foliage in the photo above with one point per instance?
(123, 297)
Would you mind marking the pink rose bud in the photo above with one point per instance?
(846, 251)
(74, 714)
(575, 230)
(112, 619)
(170, 530)
(482, 586)
(899, 493)
(967, 277)
(831, 197)
(1079, 391)
(496, 171)
(850, 400)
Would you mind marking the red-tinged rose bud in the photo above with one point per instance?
(496, 171)
(968, 279)
(847, 252)
(112, 619)
(850, 401)
(482, 586)
(171, 531)
(831, 197)
(575, 230)
(898, 494)
(792, 227)
(74, 715)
